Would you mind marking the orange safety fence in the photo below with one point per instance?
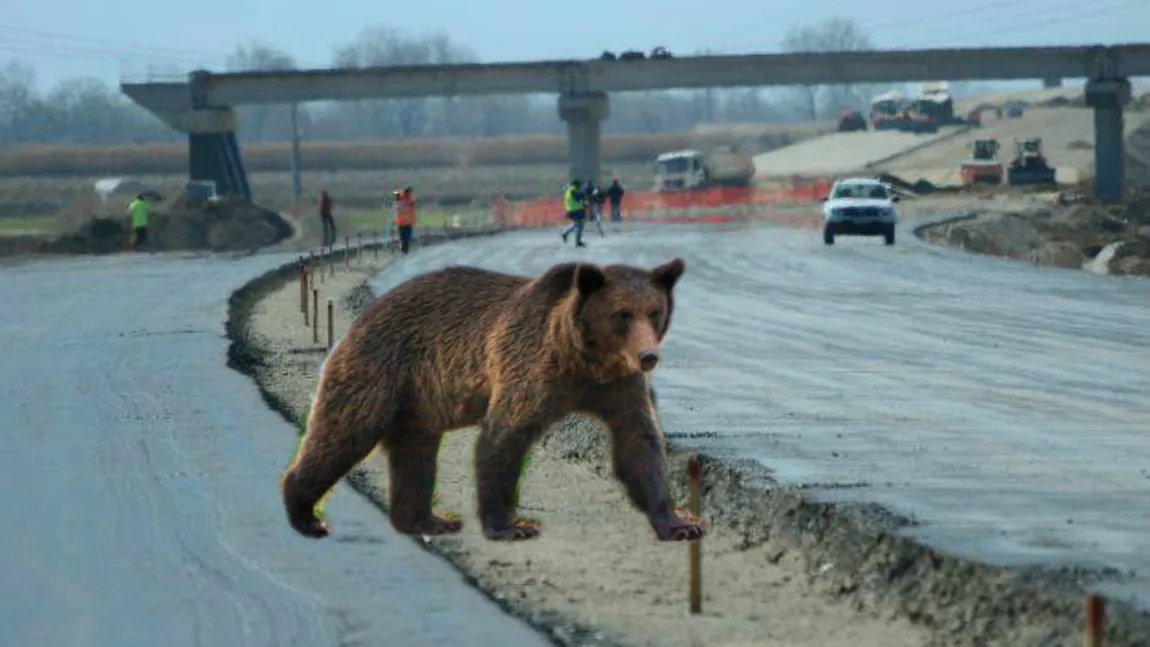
(711, 205)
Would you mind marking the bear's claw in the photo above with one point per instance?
(314, 528)
(681, 531)
(517, 531)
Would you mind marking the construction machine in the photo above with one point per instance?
(1029, 165)
(851, 121)
(691, 169)
(886, 111)
(983, 166)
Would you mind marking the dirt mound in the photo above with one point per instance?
(179, 224)
(1109, 239)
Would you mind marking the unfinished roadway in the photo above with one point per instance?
(936, 157)
(1000, 405)
(140, 479)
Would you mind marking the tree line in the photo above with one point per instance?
(89, 111)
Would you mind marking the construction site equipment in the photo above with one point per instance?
(983, 166)
(694, 169)
(886, 111)
(1029, 165)
(851, 121)
(933, 108)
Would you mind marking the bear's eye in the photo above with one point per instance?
(624, 316)
(656, 315)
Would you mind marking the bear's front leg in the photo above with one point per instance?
(499, 455)
(639, 454)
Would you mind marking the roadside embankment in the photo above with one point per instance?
(1107, 239)
(779, 566)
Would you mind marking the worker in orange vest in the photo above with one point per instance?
(405, 218)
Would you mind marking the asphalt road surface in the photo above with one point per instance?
(1004, 406)
(140, 478)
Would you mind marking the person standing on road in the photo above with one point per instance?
(596, 201)
(614, 194)
(325, 205)
(405, 218)
(138, 212)
(574, 203)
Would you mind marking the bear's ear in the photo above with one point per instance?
(562, 278)
(667, 274)
(589, 278)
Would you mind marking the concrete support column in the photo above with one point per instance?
(1108, 97)
(583, 114)
(1052, 82)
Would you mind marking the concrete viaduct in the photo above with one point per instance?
(203, 105)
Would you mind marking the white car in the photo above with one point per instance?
(859, 207)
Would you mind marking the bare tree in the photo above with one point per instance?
(263, 123)
(833, 35)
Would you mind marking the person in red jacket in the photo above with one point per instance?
(405, 218)
(328, 220)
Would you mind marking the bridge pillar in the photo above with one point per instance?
(213, 148)
(583, 114)
(1052, 82)
(1107, 97)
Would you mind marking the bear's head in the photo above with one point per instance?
(608, 322)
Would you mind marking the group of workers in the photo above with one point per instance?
(579, 202)
(404, 202)
(579, 199)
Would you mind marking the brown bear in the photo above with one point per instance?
(463, 346)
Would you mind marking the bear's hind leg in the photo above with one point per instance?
(331, 447)
(499, 455)
(412, 454)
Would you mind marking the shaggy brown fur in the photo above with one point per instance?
(464, 346)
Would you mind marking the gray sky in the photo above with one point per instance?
(113, 38)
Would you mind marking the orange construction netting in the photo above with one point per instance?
(716, 204)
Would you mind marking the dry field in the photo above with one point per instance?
(169, 158)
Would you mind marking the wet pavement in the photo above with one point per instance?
(141, 477)
(1001, 405)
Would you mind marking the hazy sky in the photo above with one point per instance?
(113, 38)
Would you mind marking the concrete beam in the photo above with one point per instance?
(584, 114)
(1108, 98)
(202, 122)
(594, 76)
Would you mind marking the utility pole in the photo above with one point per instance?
(297, 184)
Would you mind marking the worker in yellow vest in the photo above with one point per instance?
(138, 212)
(574, 204)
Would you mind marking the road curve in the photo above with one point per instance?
(141, 483)
(1003, 406)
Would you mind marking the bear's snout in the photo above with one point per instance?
(648, 359)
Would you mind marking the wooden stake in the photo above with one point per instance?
(695, 547)
(359, 248)
(314, 315)
(330, 327)
(302, 287)
(1094, 631)
(347, 252)
(306, 322)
